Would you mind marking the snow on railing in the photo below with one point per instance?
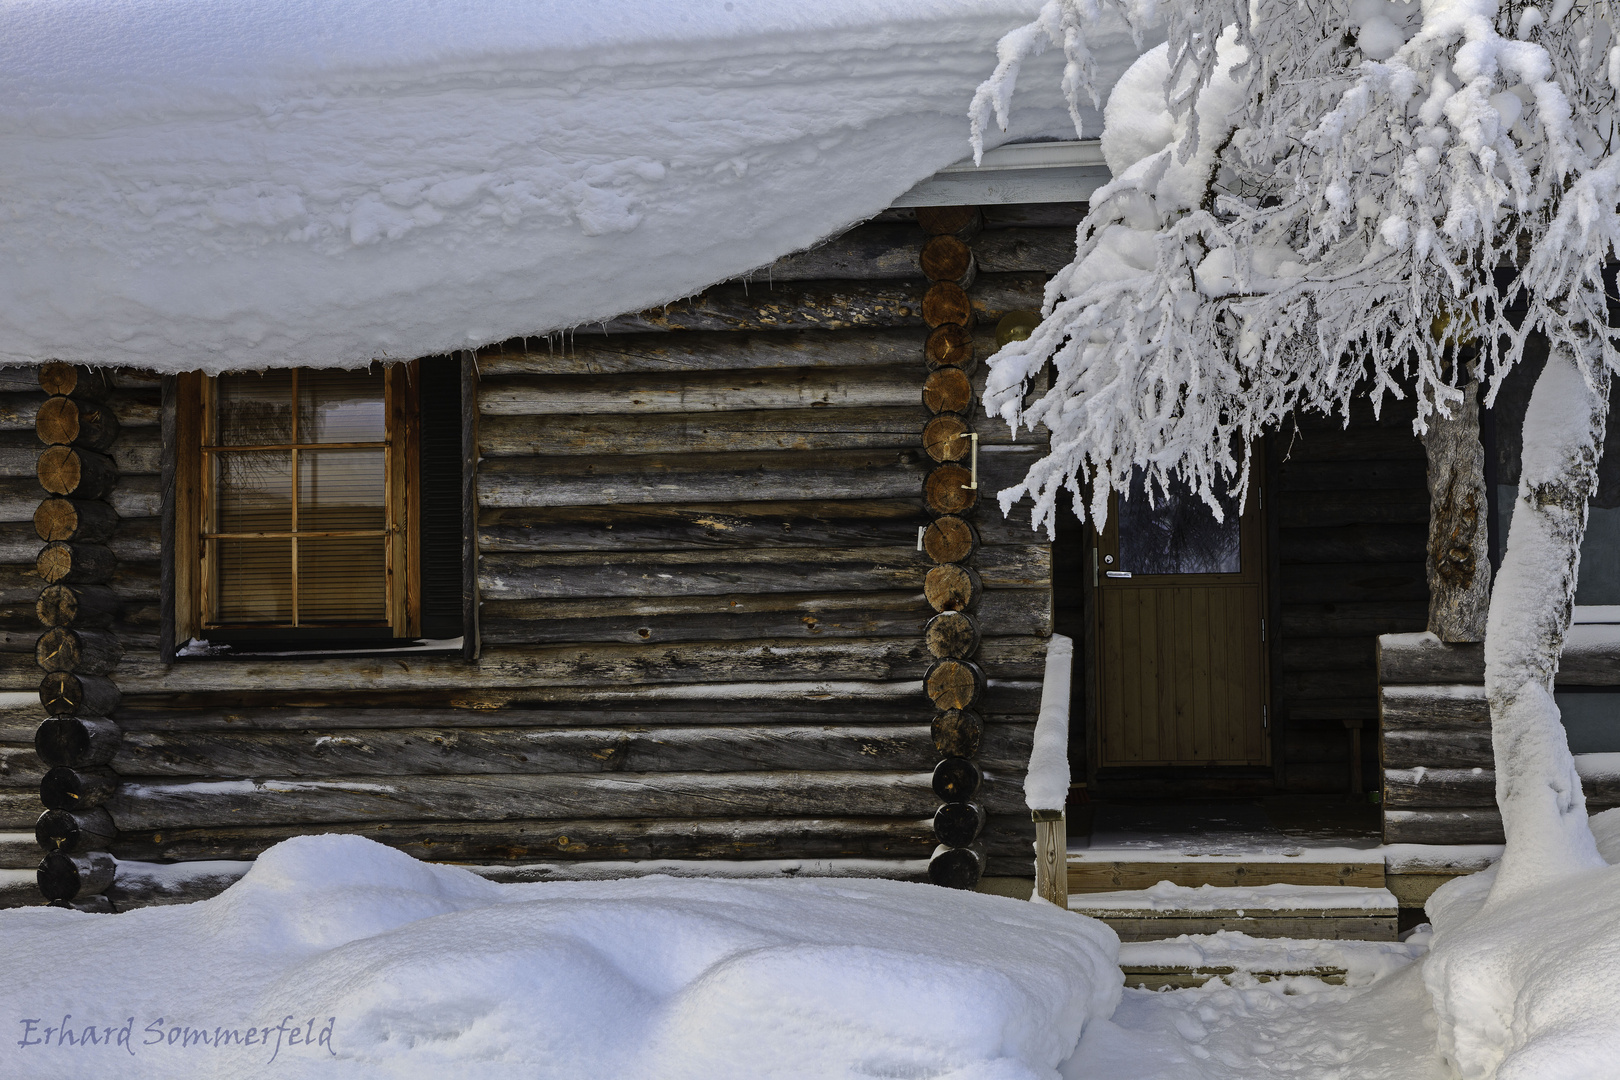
(1046, 786)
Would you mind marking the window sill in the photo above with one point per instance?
(199, 650)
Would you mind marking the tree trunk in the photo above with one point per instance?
(1543, 806)
(1459, 566)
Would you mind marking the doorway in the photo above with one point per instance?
(1179, 632)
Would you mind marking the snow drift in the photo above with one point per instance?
(411, 970)
(248, 183)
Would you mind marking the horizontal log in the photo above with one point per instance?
(1318, 509)
(134, 408)
(75, 422)
(83, 652)
(75, 564)
(1301, 685)
(1591, 656)
(603, 665)
(59, 378)
(66, 694)
(700, 392)
(872, 252)
(525, 576)
(19, 808)
(67, 788)
(817, 701)
(137, 497)
(74, 877)
(702, 433)
(1032, 249)
(796, 305)
(74, 831)
(20, 767)
(1473, 788)
(137, 540)
(1353, 544)
(155, 805)
(1413, 748)
(1443, 826)
(76, 606)
(594, 354)
(479, 751)
(1029, 215)
(610, 839)
(76, 741)
(656, 478)
(73, 473)
(1356, 617)
(743, 617)
(1434, 708)
(79, 521)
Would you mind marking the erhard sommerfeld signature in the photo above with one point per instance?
(76, 1035)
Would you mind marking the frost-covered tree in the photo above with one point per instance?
(1318, 198)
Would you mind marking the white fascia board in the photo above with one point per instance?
(1020, 173)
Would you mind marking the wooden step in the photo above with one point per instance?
(1095, 872)
(1166, 910)
(1234, 957)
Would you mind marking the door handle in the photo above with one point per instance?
(1118, 573)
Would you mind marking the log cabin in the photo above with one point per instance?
(723, 587)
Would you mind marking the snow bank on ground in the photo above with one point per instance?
(1363, 962)
(385, 966)
(203, 184)
(1527, 987)
(1297, 1027)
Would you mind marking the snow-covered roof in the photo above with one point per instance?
(219, 184)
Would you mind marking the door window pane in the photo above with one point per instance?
(1178, 533)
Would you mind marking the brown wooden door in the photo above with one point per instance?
(1180, 634)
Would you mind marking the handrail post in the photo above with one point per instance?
(1051, 856)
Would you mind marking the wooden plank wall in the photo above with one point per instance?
(1351, 515)
(702, 617)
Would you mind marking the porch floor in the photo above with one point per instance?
(1270, 825)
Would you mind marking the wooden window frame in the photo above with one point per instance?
(190, 491)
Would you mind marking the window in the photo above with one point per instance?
(302, 500)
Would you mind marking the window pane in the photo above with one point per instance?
(340, 406)
(252, 581)
(254, 410)
(253, 491)
(340, 489)
(1178, 534)
(342, 581)
(1591, 721)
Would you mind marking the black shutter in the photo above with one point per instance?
(440, 522)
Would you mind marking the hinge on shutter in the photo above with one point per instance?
(1265, 717)
(1262, 631)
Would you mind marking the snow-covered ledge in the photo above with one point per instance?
(1035, 172)
(1046, 787)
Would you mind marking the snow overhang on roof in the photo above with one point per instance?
(194, 185)
(1021, 173)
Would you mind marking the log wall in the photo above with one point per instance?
(1435, 735)
(704, 603)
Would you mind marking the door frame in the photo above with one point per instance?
(1261, 531)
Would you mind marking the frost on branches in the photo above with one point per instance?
(1319, 198)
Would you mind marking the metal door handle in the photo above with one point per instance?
(1118, 573)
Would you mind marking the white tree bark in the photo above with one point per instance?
(1543, 807)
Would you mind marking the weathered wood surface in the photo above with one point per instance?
(470, 751)
(1411, 749)
(824, 305)
(1591, 658)
(77, 520)
(73, 831)
(20, 767)
(134, 408)
(616, 839)
(1353, 618)
(76, 606)
(1349, 927)
(526, 576)
(1319, 509)
(602, 665)
(1354, 653)
(1358, 544)
(1439, 788)
(76, 741)
(1093, 877)
(1434, 708)
(1476, 826)
(156, 805)
(74, 473)
(881, 250)
(593, 354)
(67, 788)
(743, 617)
(697, 433)
(783, 476)
(699, 391)
(84, 652)
(1459, 565)
(75, 564)
(77, 422)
